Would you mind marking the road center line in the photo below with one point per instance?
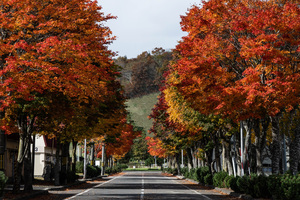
(142, 190)
(85, 191)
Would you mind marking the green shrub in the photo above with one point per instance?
(218, 179)
(113, 170)
(108, 170)
(284, 187)
(193, 174)
(290, 187)
(259, 186)
(185, 172)
(243, 184)
(228, 181)
(79, 167)
(123, 166)
(208, 179)
(232, 182)
(274, 185)
(92, 171)
(3, 180)
(201, 173)
(171, 171)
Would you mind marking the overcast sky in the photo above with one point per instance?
(143, 25)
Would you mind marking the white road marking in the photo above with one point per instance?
(190, 189)
(142, 190)
(91, 188)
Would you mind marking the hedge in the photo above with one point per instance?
(279, 187)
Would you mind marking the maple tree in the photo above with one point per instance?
(50, 49)
(117, 146)
(236, 63)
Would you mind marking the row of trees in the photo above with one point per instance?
(58, 78)
(236, 71)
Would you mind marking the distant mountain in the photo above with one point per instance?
(143, 75)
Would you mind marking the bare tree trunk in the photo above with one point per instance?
(209, 154)
(217, 158)
(28, 172)
(194, 158)
(276, 145)
(92, 154)
(257, 142)
(25, 132)
(169, 161)
(177, 158)
(17, 176)
(295, 151)
(173, 162)
(57, 163)
(189, 158)
(74, 147)
(64, 166)
(227, 157)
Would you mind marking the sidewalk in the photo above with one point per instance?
(40, 187)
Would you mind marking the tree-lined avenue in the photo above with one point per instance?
(146, 185)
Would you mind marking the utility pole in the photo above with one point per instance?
(84, 160)
(103, 159)
(242, 149)
(233, 156)
(33, 155)
(182, 158)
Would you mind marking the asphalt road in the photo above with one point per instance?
(143, 186)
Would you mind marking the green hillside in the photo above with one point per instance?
(140, 108)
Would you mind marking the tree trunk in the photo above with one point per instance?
(64, 166)
(257, 142)
(194, 159)
(74, 147)
(276, 145)
(92, 154)
(178, 163)
(25, 131)
(173, 162)
(189, 158)
(57, 163)
(247, 126)
(295, 151)
(28, 172)
(217, 158)
(209, 162)
(265, 125)
(227, 158)
(17, 176)
(169, 161)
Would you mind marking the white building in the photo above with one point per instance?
(45, 150)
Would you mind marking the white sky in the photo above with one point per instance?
(143, 25)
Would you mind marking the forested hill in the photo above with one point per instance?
(143, 75)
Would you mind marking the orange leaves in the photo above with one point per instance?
(55, 64)
(233, 51)
(155, 147)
